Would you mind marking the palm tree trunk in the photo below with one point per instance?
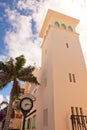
(8, 115)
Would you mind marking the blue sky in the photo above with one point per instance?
(20, 24)
(7, 27)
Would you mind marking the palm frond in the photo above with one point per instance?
(26, 71)
(29, 78)
(20, 62)
(26, 74)
(4, 79)
(3, 67)
(4, 83)
(7, 66)
(10, 66)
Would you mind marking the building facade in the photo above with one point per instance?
(62, 76)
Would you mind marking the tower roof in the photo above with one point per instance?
(55, 15)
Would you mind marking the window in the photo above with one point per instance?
(22, 90)
(72, 78)
(70, 28)
(57, 24)
(63, 26)
(45, 117)
(67, 45)
(49, 26)
(26, 124)
(29, 123)
(34, 122)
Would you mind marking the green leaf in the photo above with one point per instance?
(20, 62)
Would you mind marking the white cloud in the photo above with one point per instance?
(1, 98)
(20, 41)
(2, 57)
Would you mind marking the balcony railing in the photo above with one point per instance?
(78, 119)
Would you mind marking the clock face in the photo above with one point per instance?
(26, 104)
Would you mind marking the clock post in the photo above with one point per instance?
(26, 104)
(24, 116)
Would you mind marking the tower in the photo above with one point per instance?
(63, 73)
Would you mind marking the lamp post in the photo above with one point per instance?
(26, 104)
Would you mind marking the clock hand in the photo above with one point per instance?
(26, 104)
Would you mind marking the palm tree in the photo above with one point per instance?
(15, 71)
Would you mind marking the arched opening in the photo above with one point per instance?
(70, 28)
(63, 26)
(57, 24)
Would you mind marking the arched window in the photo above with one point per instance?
(57, 24)
(70, 28)
(49, 26)
(63, 26)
